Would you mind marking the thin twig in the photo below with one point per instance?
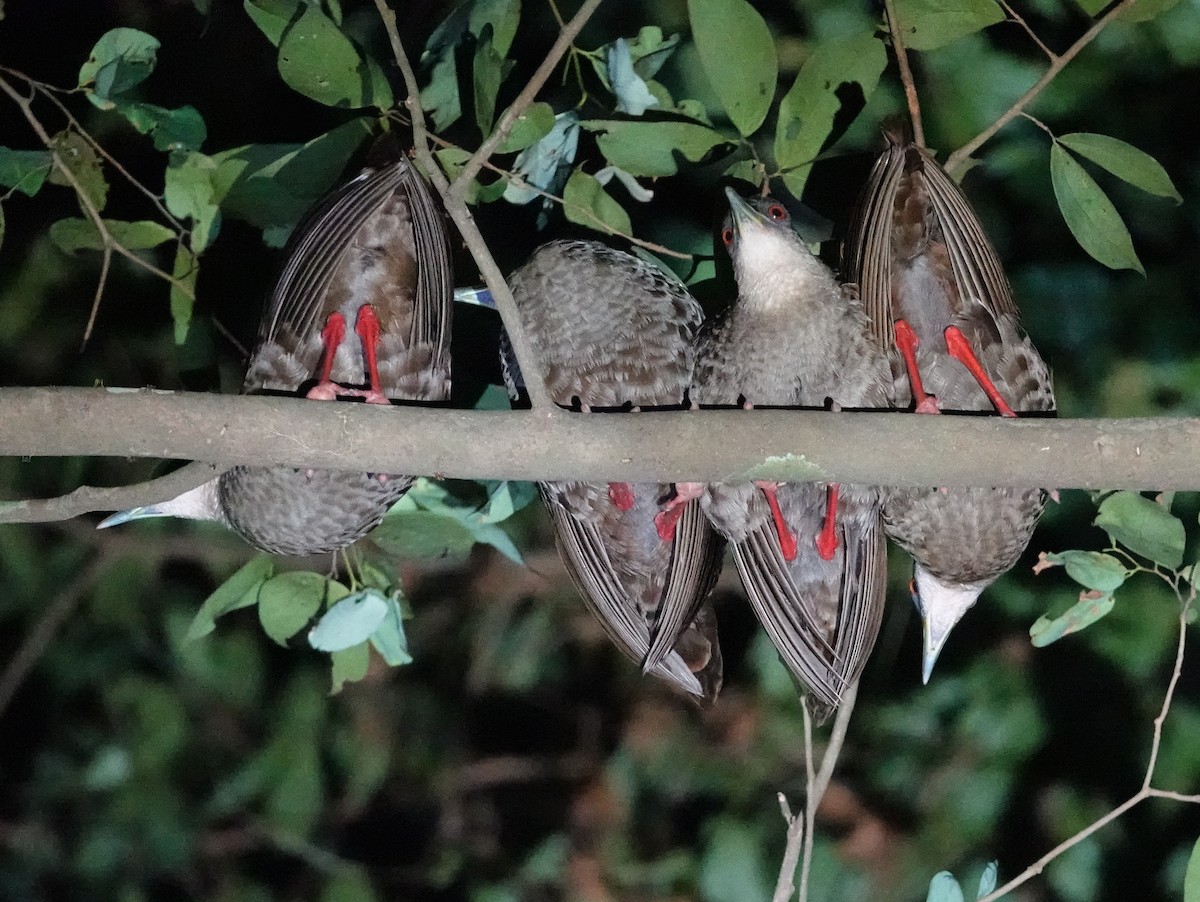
(956, 160)
(1015, 17)
(810, 806)
(906, 76)
(837, 738)
(785, 886)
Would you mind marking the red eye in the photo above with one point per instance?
(777, 212)
(727, 236)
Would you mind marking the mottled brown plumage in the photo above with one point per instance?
(613, 332)
(374, 255)
(795, 338)
(920, 257)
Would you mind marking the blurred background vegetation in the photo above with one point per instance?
(519, 757)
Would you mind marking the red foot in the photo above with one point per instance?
(827, 540)
(331, 340)
(960, 350)
(366, 326)
(906, 341)
(621, 495)
(787, 541)
(667, 519)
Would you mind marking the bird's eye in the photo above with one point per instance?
(777, 212)
(727, 236)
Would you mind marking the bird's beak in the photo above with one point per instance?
(134, 513)
(744, 215)
(935, 641)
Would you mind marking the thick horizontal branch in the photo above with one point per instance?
(881, 448)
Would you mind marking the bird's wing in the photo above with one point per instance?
(583, 551)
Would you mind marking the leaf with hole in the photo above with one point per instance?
(929, 24)
(1092, 605)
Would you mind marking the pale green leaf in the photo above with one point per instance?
(587, 203)
(738, 55)
(987, 880)
(807, 111)
(649, 148)
(944, 888)
(191, 192)
(929, 24)
(1143, 526)
(350, 621)
(1092, 605)
(390, 639)
(1124, 161)
(1090, 215)
(77, 155)
(1091, 569)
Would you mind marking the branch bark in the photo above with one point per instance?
(874, 448)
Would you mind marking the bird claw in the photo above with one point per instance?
(324, 391)
(929, 405)
(621, 495)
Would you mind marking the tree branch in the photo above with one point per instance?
(886, 448)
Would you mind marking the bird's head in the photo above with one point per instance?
(200, 503)
(942, 604)
(770, 261)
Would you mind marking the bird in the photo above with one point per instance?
(811, 556)
(938, 298)
(614, 333)
(375, 254)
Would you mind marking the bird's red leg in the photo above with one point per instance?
(827, 540)
(960, 350)
(667, 519)
(787, 541)
(621, 495)
(367, 328)
(906, 341)
(331, 340)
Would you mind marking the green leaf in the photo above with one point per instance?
(1090, 215)
(1145, 10)
(489, 71)
(121, 59)
(1091, 569)
(348, 884)
(807, 111)
(24, 170)
(320, 62)
(80, 234)
(587, 203)
(929, 24)
(738, 56)
(350, 621)
(77, 155)
(272, 16)
(272, 185)
(287, 602)
(183, 295)
(1191, 879)
(944, 888)
(1092, 605)
(180, 129)
(349, 665)
(987, 880)
(531, 126)
(239, 591)
(423, 534)
(649, 148)
(191, 192)
(1142, 526)
(390, 639)
(1124, 161)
